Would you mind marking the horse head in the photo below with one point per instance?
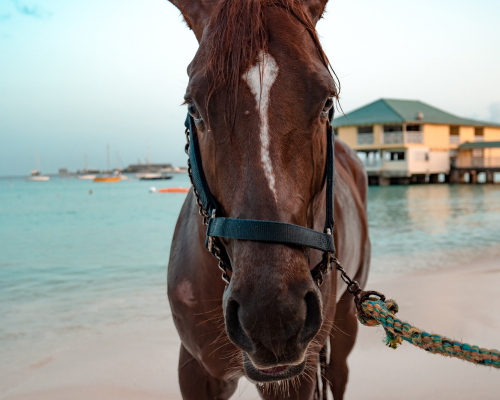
(260, 93)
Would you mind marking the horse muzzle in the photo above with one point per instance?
(273, 331)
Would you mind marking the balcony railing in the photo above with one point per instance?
(393, 137)
(478, 162)
(478, 138)
(454, 139)
(415, 137)
(365, 138)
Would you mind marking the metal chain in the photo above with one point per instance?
(201, 210)
(222, 267)
(212, 247)
(352, 286)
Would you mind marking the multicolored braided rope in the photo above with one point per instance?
(374, 311)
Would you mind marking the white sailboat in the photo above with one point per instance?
(86, 176)
(36, 175)
(122, 177)
(149, 175)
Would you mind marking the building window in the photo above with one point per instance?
(454, 135)
(393, 128)
(335, 131)
(479, 134)
(365, 129)
(394, 155)
(413, 128)
(370, 159)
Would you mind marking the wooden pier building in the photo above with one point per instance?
(474, 158)
(407, 141)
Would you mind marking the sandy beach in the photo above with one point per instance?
(141, 362)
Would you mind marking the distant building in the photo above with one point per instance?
(474, 158)
(63, 171)
(134, 168)
(89, 171)
(408, 141)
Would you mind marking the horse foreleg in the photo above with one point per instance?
(342, 338)
(197, 384)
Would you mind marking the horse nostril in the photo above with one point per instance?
(234, 329)
(314, 319)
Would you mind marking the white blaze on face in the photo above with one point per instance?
(260, 78)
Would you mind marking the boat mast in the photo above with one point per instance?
(86, 164)
(107, 150)
(117, 161)
(148, 161)
(37, 160)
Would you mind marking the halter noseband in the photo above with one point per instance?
(260, 231)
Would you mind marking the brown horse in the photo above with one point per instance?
(260, 92)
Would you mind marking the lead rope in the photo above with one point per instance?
(373, 309)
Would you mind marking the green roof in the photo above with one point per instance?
(390, 111)
(478, 145)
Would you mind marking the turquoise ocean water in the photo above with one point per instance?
(72, 263)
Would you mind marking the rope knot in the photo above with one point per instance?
(373, 309)
(378, 311)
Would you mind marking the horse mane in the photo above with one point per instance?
(238, 36)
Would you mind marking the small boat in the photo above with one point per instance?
(86, 176)
(155, 177)
(174, 190)
(107, 179)
(36, 176)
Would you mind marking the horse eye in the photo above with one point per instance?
(328, 105)
(194, 112)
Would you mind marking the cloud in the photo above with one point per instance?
(5, 17)
(494, 109)
(31, 11)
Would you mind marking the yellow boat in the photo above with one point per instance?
(107, 179)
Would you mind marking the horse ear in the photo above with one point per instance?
(196, 13)
(315, 9)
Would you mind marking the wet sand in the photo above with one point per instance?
(140, 363)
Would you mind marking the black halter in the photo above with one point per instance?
(261, 231)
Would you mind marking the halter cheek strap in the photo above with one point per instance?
(255, 230)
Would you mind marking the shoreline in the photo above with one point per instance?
(140, 362)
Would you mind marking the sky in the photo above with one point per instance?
(78, 75)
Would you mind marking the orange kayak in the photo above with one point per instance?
(174, 190)
(107, 179)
